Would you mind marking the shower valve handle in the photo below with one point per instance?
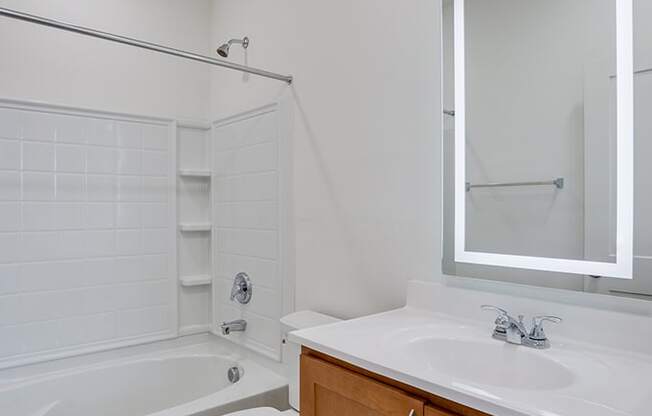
(242, 289)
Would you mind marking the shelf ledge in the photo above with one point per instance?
(195, 227)
(194, 173)
(190, 281)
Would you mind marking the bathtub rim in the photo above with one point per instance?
(268, 376)
(61, 366)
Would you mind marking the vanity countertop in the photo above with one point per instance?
(454, 357)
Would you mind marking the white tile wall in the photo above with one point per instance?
(87, 222)
(257, 215)
(254, 187)
(246, 225)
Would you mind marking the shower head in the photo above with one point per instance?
(223, 50)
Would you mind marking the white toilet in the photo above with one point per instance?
(290, 359)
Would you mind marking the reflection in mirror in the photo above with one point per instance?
(540, 114)
(526, 66)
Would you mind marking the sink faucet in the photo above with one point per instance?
(238, 325)
(514, 331)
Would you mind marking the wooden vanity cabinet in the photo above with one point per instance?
(431, 411)
(330, 390)
(330, 387)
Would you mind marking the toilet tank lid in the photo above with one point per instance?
(306, 319)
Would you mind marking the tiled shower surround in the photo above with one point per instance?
(86, 230)
(247, 210)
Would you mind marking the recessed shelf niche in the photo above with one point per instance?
(194, 228)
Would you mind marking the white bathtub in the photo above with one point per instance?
(178, 378)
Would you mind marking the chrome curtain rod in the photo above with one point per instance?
(139, 44)
(640, 71)
(558, 183)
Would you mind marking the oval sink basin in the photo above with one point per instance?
(489, 363)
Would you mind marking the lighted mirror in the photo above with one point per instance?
(540, 116)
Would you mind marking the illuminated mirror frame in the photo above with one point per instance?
(622, 268)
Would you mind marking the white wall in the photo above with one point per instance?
(366, 138)
(51, 66)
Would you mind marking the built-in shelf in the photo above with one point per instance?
(194, 266)
(194, 173)
(200, 280)
(195, 227)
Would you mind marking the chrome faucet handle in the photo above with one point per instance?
(537, 332)
(235, 291)
(503, 316)
(521, 325)
(493, 308)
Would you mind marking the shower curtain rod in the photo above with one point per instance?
(139, 44)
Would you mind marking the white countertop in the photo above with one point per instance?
(593, 380)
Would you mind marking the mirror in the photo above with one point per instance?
(539, 137)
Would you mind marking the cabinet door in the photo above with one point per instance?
(330, 390)
(431, 411)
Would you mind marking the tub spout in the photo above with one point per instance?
(238, 326)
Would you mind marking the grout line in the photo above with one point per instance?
(246, 201)
(56, 142)
(249, 312)
(80, 173)
(82, 288)
(252, 201)
(71, 317)
(74, 259)
(93, 201)
(243, 201)
(246, 146)
(235, 228)
(77, 230)
(246, 174)
(247, 255)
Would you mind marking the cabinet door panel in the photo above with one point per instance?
(330, 390)
(431, 411)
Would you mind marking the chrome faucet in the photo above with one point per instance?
(239, 325)
(514, 331)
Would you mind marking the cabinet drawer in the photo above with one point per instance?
(330, 390)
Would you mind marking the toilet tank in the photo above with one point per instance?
(292, 351)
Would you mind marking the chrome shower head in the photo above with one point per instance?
(223, 50)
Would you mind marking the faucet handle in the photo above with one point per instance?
(241, 289)
(537, 332)
(501, 311)
(503, 316)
